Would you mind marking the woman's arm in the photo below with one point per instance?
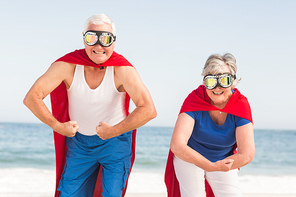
(245, 146)
(182, 132)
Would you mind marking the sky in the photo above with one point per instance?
(167, 41)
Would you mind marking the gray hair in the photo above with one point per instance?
(216, 62)
(100, 19)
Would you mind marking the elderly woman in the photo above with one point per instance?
(213, 135)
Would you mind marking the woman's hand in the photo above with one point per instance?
(223, 165)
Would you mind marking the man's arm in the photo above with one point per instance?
(56, 74)
(130, 81)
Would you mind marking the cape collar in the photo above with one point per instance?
(80, 57)
(198, 100)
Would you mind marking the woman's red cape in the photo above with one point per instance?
(198, 100)
(59, 104)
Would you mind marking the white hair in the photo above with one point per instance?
(216, 62)
(100, 19)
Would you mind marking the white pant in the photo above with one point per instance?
(192, 180)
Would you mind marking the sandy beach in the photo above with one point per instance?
(40, 183)
(155, 195)
(245, 195)
(150, 195)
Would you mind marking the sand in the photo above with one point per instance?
(149, 195)
(22, 183)
(245, 195)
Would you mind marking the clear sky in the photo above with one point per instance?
(167, 41)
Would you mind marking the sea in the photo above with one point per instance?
(27, 161)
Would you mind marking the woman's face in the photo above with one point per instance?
(219, 96)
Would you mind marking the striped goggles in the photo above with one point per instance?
(103, 38)
(224, 80)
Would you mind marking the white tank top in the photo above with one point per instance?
(90, 106)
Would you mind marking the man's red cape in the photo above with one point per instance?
(198, 100)
(59, 104)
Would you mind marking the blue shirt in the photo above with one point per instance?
(212, 141)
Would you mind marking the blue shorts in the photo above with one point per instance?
(84, 156)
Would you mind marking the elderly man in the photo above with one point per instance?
(94, 133)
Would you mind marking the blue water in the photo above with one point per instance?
(31, 145)
(26, 145)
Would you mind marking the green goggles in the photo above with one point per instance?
(224, 80)
(103, 38)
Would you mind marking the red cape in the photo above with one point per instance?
(59, 104)
(198, 100)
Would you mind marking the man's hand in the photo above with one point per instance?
(105, 131)
(68, 129)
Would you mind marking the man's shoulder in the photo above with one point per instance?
(63, 67)
(125, 70)
(63, 64)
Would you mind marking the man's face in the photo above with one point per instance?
(97, 53)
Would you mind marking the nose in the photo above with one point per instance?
(98, 46)
(218, 87)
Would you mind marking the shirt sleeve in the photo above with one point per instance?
(191, 114)
(241, 121)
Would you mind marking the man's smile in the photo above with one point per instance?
(99, 52)
(218, 93)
